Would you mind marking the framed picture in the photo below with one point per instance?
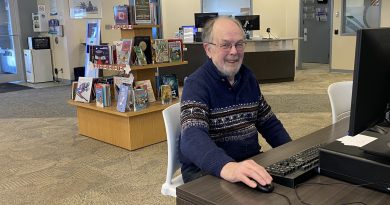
(79, 9)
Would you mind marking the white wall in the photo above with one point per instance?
(177, 13)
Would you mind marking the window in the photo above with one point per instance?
(228, 7)
(359, 14)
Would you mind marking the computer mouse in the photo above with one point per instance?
(268, 188)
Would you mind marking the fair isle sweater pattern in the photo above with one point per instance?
(232, 123)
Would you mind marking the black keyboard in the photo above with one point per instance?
(297, 168)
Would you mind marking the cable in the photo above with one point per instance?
(327, 184)
(284, 196)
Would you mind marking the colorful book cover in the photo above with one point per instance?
(171, 79)
(140, 99)
(161, 50)
(175, 48)
(121, 14)
(99, 95)
(122, 98)
(146, 84)
(101, 54)
(123, 51)
(117, 83)
(141, 60)
(145, 44)
(84, 89)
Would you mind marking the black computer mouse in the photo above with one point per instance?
(268, 188)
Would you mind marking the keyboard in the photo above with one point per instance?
(296, 169)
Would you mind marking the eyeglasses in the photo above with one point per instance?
(240, 46)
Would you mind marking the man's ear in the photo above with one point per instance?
(207, 48)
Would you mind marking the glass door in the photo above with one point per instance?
(11, 66)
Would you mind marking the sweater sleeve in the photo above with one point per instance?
(270, 126)
(196, 146)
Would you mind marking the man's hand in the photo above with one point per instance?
(244, 172)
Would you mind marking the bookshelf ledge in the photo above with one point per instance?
(137, 67)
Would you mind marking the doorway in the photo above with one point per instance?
(11, 66)
(315, 24)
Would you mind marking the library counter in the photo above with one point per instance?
(271, 60)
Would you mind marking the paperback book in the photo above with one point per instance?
(146, 84)
(161, 50)
(171, 80)
(140, 99)
(121, 14)
(144, 43)
(175, 48)
(84, 89)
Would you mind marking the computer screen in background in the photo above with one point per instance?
(249, 22)
(202, 18)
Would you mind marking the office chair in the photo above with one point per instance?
(171, 116)
(340, 95)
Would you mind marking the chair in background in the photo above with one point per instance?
(340, 95)
(171, 116)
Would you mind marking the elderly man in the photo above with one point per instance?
(222, 111)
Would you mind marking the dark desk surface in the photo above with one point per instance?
(212, 190)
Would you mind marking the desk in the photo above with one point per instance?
(212, 190)
(271, 60)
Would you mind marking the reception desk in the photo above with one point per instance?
(271, 60)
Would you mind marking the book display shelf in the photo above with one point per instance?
(130, 130)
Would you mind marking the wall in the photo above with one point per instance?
(343, 47)
(178, 13)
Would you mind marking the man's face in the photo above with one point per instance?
(227, 58)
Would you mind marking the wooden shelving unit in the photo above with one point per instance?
(129, 130)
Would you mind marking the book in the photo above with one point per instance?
(161, 50)
(117, 83)
(100, 54)
(74, 88)
(123, 51)
(166, 94)
(171, 79)
(99, 95)
(175, 48)
(122, 98)
(121, 14)
(144, 43)
(146, 84)
(140, 56)
(84, 89)
(142, 12)
(106, 95)
(140, 99)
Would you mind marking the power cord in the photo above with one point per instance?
(284, 196)
(329, 184)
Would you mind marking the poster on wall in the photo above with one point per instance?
(79, 9)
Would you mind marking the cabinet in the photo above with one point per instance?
(129, 130)
(38, 65)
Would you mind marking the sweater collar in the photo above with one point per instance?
(217, 75)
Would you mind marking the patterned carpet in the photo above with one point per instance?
(43, 160)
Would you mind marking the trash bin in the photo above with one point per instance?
(78, 72)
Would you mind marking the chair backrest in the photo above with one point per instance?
(173, 128)
(340, 95)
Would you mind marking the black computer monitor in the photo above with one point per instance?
(371, 80)
(249, 22)
(202, 18)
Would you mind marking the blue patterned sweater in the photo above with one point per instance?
(220, 121)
